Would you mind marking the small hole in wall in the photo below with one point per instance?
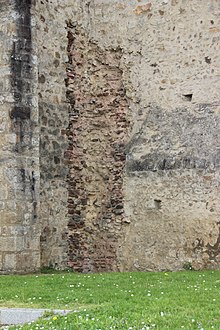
(188, 97)
(157, 204)
(208, 59)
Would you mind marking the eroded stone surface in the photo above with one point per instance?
(97, 134)
(128, 159)
(19, 157)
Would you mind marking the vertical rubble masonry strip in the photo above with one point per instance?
(53, 119)
(97, 133)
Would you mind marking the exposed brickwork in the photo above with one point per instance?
(96, 155)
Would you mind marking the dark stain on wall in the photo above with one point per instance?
(21, 76)
(213, 251)
(22, 88)
(190, 130)
(162, 162)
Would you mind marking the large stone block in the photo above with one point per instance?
(9, 262)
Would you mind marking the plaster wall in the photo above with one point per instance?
(170, 67)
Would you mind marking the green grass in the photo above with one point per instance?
(183, 300)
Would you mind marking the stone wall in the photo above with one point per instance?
(121, 172)
(170, 65)
(19, 158)
(97, 132)
(53, 121)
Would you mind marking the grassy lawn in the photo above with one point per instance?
(183, 300)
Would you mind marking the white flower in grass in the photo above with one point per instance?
(162, 313)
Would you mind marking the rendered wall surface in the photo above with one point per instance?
(110, 160)
(170, 71)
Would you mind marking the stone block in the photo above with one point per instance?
(9, 262)
(8, 244)
(8, 217)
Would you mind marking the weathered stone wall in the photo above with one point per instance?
(19, 158)
(128, 159)
(97, 134)
(53, 121)
(170, 70)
